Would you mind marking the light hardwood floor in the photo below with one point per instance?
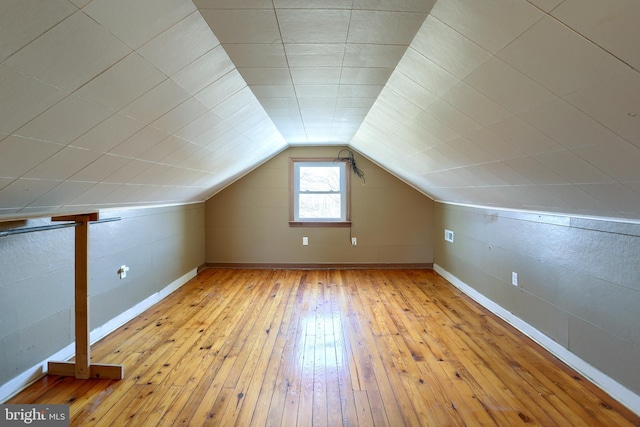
(326, 347)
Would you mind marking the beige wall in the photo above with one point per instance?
(578, 279)
(247, 222)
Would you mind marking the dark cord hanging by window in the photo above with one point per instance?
(352, 162)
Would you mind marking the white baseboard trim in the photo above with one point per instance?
(34, 373)
(610, 386)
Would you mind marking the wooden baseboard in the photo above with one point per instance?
(320, 266)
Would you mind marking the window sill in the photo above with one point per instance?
(319, 223)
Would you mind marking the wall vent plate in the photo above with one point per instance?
(448, 235)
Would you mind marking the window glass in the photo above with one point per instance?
(319, 191)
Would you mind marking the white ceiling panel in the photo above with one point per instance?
(127, 173)
(156, 102)
(572, 168)
(618, 197)
(256, 55)
(23, 192)
(452, 117)
(233, 4)
(139, 142)
(535, 171)
(63, 193)
(384, 27)
(359, 91)
(492, 24)
(498, 148)
(29, 97)
(576, 61)
(315, 54)
(266, 76)
(203, 71)
(316, 75)
(20, 155)
(108, 134)
(507, 174)
(70, 54)
(313, 25)
(613, 101)
(63, 164)
(473, 153)
(101, 168)
(23, 21)
(423, 6)
(65, 121)
(223, 88)
(232, 104)
(612, 25)
(436, 41)
(273, 91)
(143, 19)
(121, 84)
(180, 116)
(580, 200)
(365, 75)
(398, 103)
(94, 196)
(372, 55)
(507, 86)
(243, 26)
(546, 5)
(317, 91)
(617, 159)
(567, 125)
(524, 136)
(426, 72)
(164, 149)
(197, 127)
(212, 134)
(474, 104)
(436, 126)
(180, 45)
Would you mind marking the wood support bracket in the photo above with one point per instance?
(82, 368)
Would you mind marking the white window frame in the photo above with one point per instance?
(294, 192)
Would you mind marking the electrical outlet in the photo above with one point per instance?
(123, 271)
(514, 278)
(305, 241)
(354, 241)
(448, 235)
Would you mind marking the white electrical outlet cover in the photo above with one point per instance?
(448, 235)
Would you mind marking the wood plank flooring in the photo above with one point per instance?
(326, 348)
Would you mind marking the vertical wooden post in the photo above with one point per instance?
(83, 368)
(83, 351)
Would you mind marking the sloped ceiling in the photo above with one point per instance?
(508, 103)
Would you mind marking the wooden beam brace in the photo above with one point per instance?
(92, 216)
(99, 370)
(82, 369)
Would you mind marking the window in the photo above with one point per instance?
(319, 193)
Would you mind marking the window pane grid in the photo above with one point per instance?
(319, 191)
